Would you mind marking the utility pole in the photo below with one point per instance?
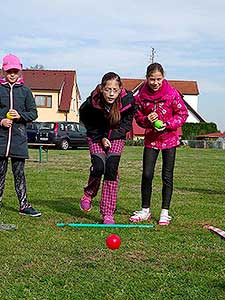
(152, 55)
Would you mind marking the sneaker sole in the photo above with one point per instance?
(85, 210)
(108, 223)
(139, 220)
(23, 214)
(164, 223)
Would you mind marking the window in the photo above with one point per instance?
(62, 126)
(71, 127)
(47, 125)
(43, 100)
(82, 129)
(33, 125)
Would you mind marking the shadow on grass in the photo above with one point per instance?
(68, 206)
(219, 285)
(9, 208)
(201, 191)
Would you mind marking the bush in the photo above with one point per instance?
(139, 142)
(191, 130)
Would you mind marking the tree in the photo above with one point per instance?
(191, 130)
(36, 67)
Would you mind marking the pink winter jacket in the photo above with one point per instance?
(168, 104)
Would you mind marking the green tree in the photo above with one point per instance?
(36, 67)
(191, 130)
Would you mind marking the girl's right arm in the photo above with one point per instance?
(30, 113)
(88, 118)
(141, 119)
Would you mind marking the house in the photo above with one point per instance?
(211, 136)
(190, 91)
(215, 140)
(56, 94)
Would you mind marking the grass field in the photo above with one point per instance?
(181, 261)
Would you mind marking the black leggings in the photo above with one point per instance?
(149, 161)
(19, 179)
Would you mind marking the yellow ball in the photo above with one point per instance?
(8, 116)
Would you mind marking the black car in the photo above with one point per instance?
(63, 134)
(32, 130)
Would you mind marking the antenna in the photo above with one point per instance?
(152, 55)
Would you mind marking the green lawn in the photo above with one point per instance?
(181, 261)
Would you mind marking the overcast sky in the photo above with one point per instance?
(94, 37)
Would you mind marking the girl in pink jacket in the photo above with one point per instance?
(161, 111)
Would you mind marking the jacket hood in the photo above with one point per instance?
(19, 81)
(147, 93)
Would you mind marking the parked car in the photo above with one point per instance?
(63, 134)
(32, 130)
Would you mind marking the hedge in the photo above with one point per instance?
(191, 130)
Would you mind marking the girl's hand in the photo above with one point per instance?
(153, 117)
(106, 143)
(162, 128)
(14, 114)
(6, 122)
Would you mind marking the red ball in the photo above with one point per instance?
(113, 241)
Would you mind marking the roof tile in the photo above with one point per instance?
(52, 80)
(186, 87)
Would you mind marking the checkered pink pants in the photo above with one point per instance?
(109, 187)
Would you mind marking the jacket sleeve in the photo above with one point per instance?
(141, 119)
(125, 122)
(180, 113)
(88, 118)
(30, 113)
(84, 111)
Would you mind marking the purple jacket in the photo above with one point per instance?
(168, 104)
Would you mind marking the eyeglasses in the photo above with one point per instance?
(109, 90)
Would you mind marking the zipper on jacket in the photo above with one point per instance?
(10, 128)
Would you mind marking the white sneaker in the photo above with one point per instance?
(140, 215)
(164, 219)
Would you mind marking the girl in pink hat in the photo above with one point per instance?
(17, 107)
(161, 111)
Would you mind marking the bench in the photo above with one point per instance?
(42, 148)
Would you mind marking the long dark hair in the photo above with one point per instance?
(114, 114)
(152, 68)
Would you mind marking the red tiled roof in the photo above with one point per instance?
(184, 86)
(60, 80)
(212, 135)
(131, 84)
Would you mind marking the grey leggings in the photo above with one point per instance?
(19, 179)
(149, 161)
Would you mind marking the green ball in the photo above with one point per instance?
(158, 124)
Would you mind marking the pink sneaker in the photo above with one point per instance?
(140, 215)
(85, 203)
(164, 220)
(108, 220)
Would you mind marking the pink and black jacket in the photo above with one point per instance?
(167, 102)
(94, 117)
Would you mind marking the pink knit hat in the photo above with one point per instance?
(11, 61)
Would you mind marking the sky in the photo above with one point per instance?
(95, 37)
